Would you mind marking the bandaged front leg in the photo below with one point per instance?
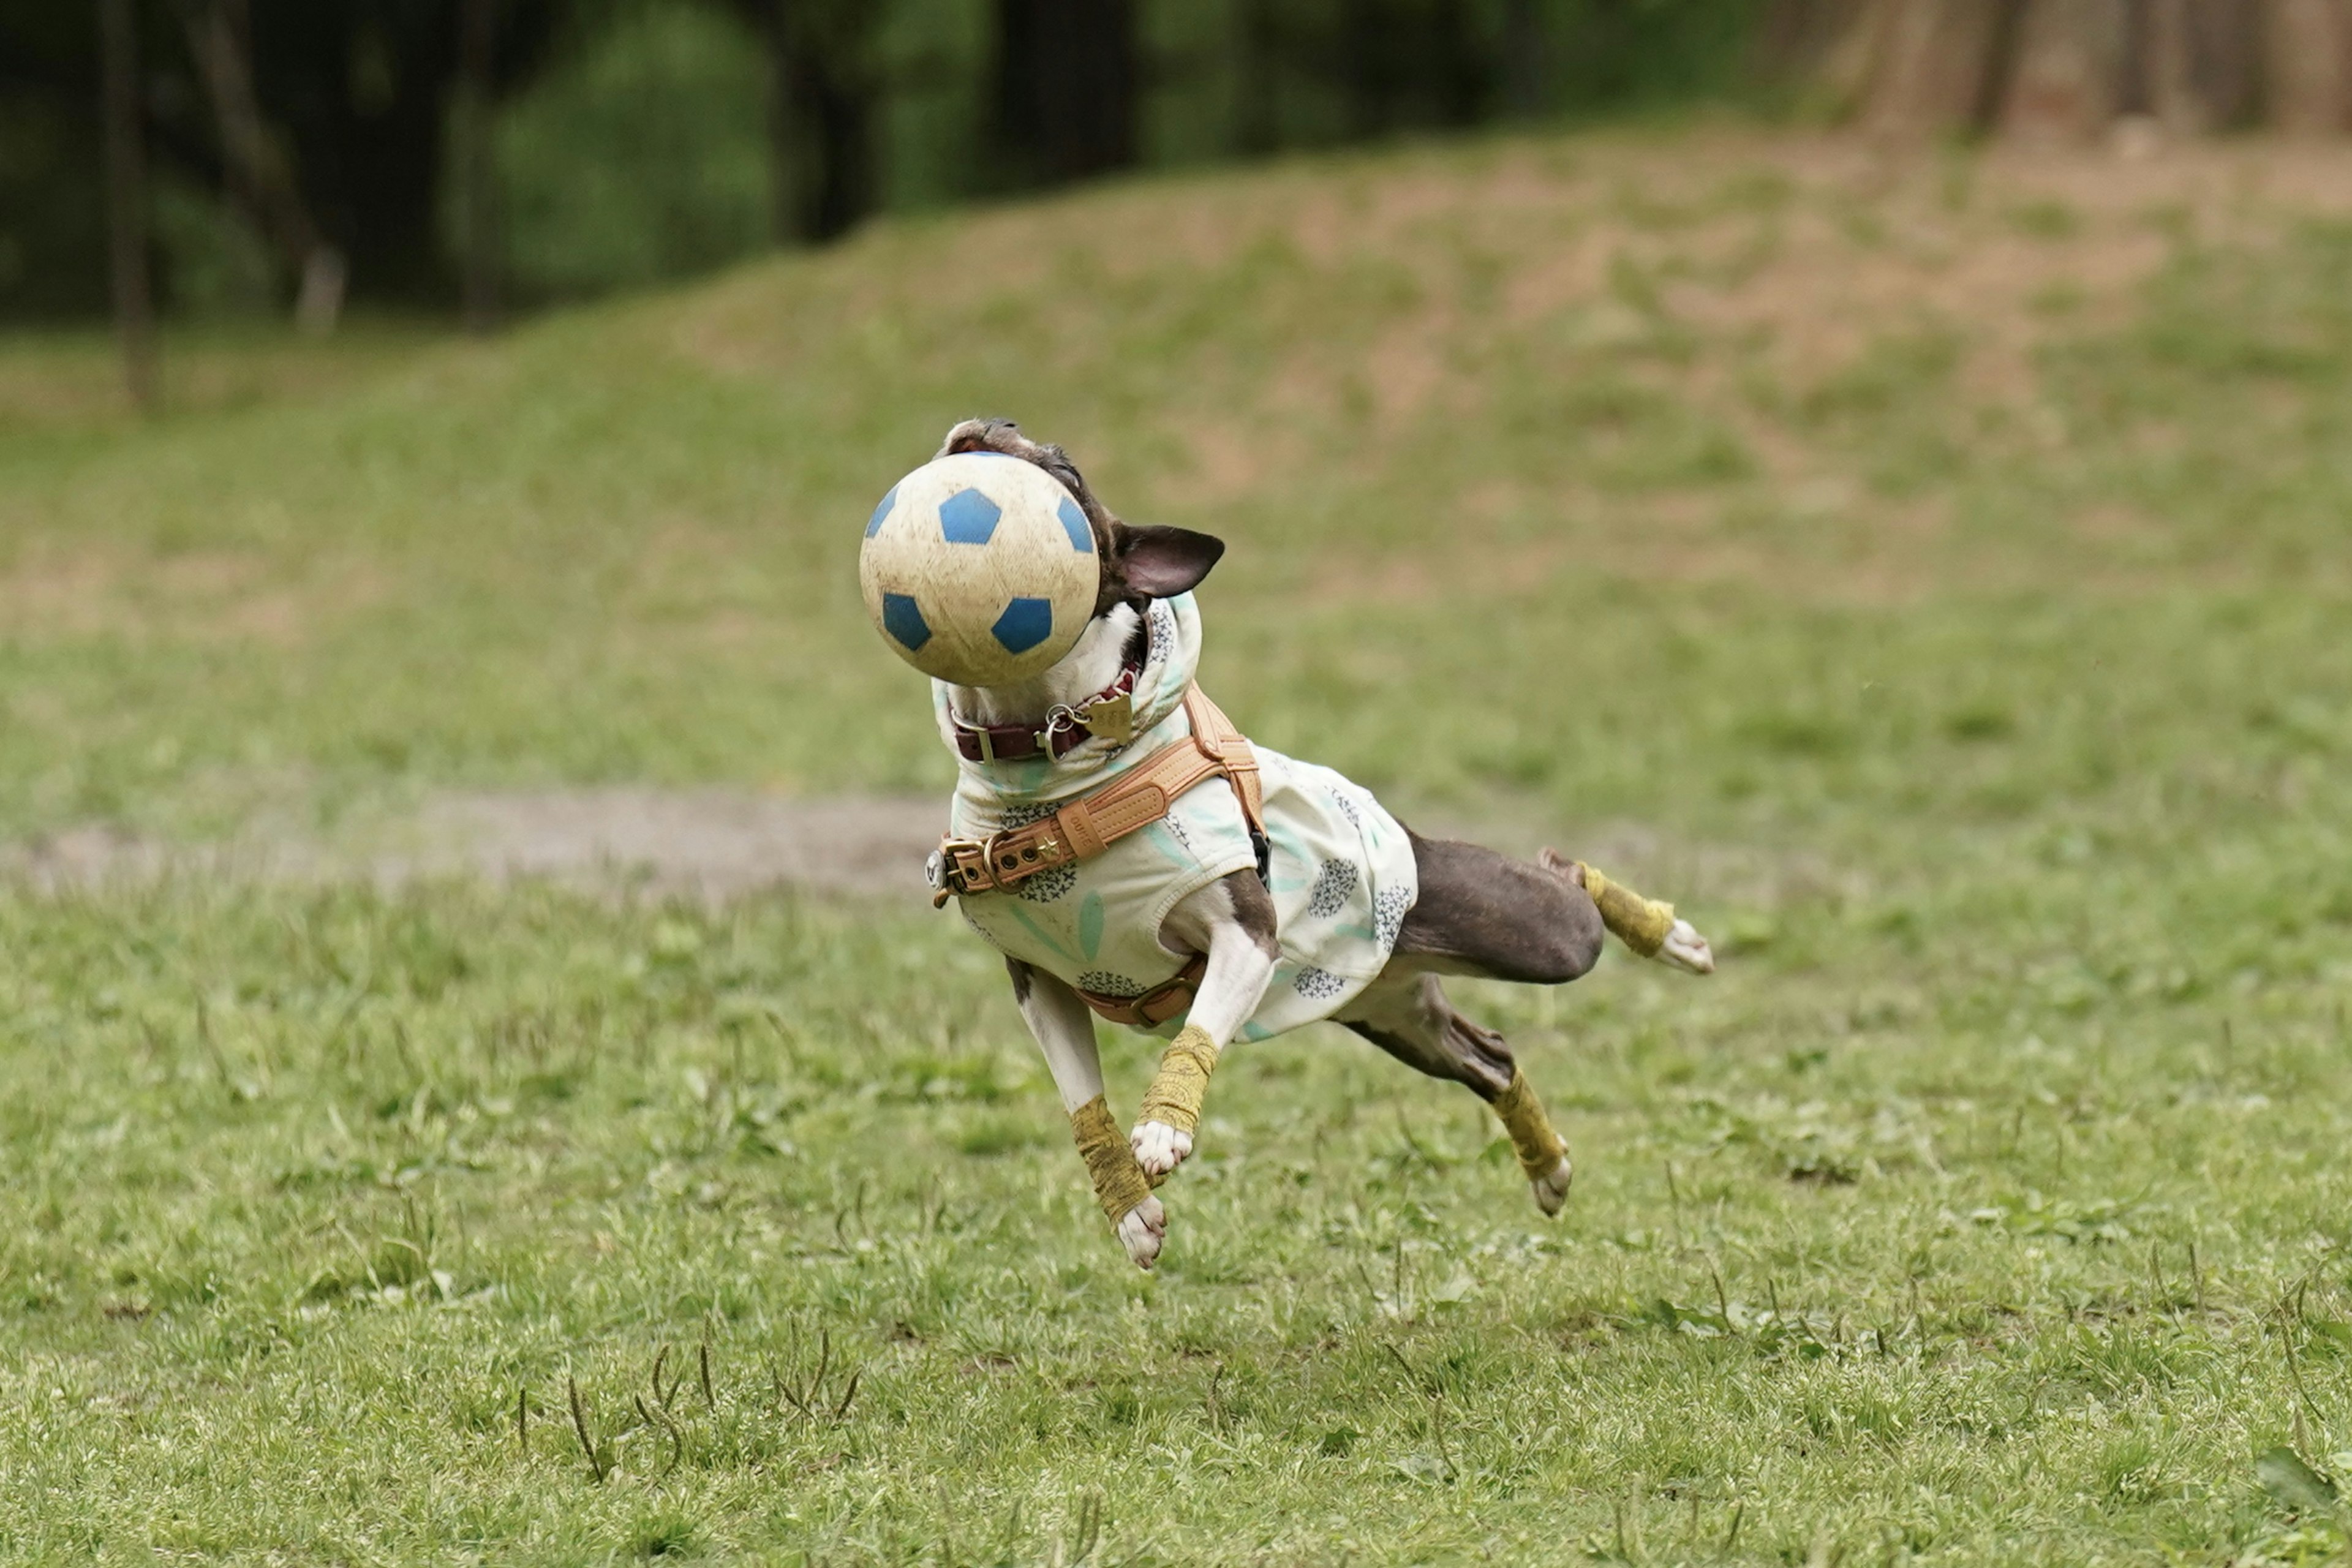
(1170, 1112)
(1648, 926)
(1542, 1156)
(1119, 1184)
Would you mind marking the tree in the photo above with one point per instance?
(1257, 44)
(1066, 88)
(126, 198)
(2071, 68)
(823, 89)
(477, 172)
(261, 173)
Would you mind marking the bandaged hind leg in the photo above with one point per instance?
(1649, 926)
(1409, 1015)
(1241, 964)
(1064, 1032)
(1543, 1157)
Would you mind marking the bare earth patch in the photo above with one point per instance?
(714, 844)
(717, 845)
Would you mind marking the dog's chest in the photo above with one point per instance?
(1341, 872)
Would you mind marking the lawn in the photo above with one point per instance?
(1930, 570)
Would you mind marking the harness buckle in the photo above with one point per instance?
(959, 865)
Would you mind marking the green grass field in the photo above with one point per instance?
(1932, 573)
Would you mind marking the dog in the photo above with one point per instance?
(1264, 894)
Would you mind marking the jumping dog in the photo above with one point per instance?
(1242, 928)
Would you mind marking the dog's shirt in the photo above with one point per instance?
(1340, 868)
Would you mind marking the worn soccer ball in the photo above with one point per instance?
(979, 569)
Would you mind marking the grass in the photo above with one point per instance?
(1931, 572)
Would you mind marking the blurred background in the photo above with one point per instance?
(290, 156)
(511, 366)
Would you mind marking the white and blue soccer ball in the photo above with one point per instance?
(979, 569)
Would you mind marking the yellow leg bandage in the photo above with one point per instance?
(1119, 1180)
(1640, 923)
(1175, 1097)
(1539, 1148)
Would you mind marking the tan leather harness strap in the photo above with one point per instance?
(1213, 733)
(1169, 999)
(1087, 825)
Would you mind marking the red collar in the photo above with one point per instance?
(1064, 730)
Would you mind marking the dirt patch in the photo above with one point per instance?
(708, 843)
(718, 845)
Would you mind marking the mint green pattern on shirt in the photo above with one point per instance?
(1340, 868)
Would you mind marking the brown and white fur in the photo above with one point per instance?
(1478, 913)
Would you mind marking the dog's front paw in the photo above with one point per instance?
(1142, 1231)
(1685, 949)
(1160, 1148)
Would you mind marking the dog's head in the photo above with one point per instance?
(1137, 564)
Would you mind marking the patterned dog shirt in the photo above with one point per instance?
(1339, 866)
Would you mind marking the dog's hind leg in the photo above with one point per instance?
(1482, 913)
(1407, 1014)
(1065, 1031)
(1648, 926)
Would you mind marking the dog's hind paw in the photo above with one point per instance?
(1160, 1148)
(1142, 1232)
(1551, 1191)
(1685, 949)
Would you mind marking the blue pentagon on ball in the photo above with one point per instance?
(1024, 624)
(881, 513)
(969, 517)
(903, 619)
(1074, 523)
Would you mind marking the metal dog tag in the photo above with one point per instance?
(1112, 718)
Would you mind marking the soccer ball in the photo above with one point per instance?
(979, 569)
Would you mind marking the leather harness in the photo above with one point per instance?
(1086, 826)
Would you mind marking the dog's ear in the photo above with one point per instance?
(1158, 562)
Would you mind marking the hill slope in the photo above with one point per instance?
(1608, 467)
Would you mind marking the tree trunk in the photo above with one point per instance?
(837, 112)
(2310, 67)
(1066, 85)
(775, 21)
(477, 44)
(126, 192)
(1826, 46)
(1939, 66)
(1362, 58)
(2070, 81)
(259, 172)
(1523, 76)
(2201, 63)
(820, 114)
(1257, 120)
(2070, 70)
(2193, 64)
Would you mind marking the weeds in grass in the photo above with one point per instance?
(801, 1381)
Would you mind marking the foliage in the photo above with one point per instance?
(632, 144)
(643, 157)
(1962, 650)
